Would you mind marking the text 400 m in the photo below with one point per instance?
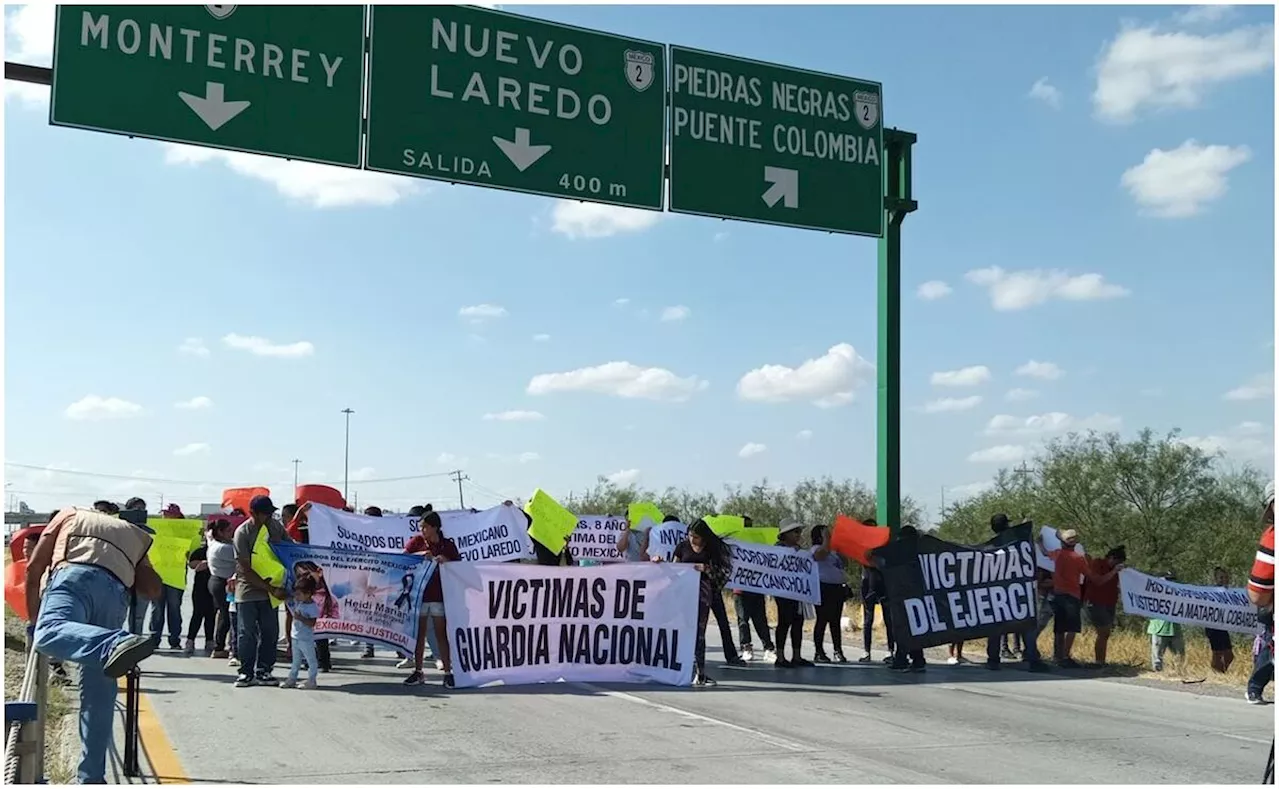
(584, 185)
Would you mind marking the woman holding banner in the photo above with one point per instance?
(432, 544)
(835, 591)
(709, 555)
(790, 618)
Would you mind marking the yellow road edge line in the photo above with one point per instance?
(166, 767)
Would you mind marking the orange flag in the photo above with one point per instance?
(856, 540)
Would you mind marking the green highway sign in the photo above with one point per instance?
(277, 80)
(481, 97)
(772, 144)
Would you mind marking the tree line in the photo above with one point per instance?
(1175, 508)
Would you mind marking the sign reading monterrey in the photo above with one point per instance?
(277, 80)
(774, 144)
(481, 97)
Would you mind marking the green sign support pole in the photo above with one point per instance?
(897, 204)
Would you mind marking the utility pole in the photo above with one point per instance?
(346, 455)
(458, 477)
(942, 492)
(897, 204)
(295, 476)
(1023, 473)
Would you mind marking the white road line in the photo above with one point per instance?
(781, 742)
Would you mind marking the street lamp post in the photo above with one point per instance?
(295, 475)
(346, 455)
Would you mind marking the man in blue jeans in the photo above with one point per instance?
(95, 562)
(258, 622)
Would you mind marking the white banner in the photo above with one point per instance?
(596, 538)
(664, 538)
(774, 570)
(496, 534)
(1215, 607)
(518, 624)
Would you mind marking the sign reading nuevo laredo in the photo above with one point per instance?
(277, 80)
(775, 144)
(474, 96)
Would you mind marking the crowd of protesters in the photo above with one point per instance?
(89, 579)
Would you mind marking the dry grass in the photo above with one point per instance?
(60, 718)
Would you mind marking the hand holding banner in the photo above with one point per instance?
(774, 570)
(552, 524)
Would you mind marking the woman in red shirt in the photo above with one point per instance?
(432, 544)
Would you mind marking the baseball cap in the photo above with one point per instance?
(261, 504)
(1068, 536)
(786, 527)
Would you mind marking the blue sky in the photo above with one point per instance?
(1096, 190)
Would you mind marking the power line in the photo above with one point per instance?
(241, 483)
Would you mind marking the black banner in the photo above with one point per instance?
(940, 592)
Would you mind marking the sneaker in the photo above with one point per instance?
(189, 648)
(233, 661)
(801, 663)
(708, 682)
(993, 665)
(888, 659)
(289, 683)
(781, 662)
(821, 657)
(1007, 654)
(368, 652)
(1254, 698)
(1038, 667)
(866, 658)
(406, 663)
(1069, 663)
(918, 668)
(698, 679)
(737, 661)
(245, 681)
(439, 665)
(901, 668)
(769, 655)
(448, 680)
(414, 679)
(840, 658)
(266, 680)
(748, 654)
(127, 653)
(953, 661)
(309, 684)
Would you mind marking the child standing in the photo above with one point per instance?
(1164, 636)
(305, 612)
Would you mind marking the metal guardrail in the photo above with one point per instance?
(25, 724)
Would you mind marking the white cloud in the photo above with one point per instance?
(1020, 395)
(750, 450)
(1043, 91)
(1152, 391)
(515, 416)
(804, 435)
(719, 236)
(1178, 183)
(193, 346)
(947, 405)
(542, 338)
(1243, 441)
(827, 381)
(479, 313)
(620, 379)
(92, 407)
(528, 457)
(961, 492)
(621, 302)
(967, 376)
(316, 185)
(1260, 387)
(29, 39)
(259, 346)
(194, 404)
(593, 220)
(450, 459)
(1045, 371)
(1004, 453)
(624, 477)
(1204, 14)
(362, 474)
(199, 448)
(933, 290)
(1144, 67)
(1017, 290)
(1052, 422)
(1249, 429)
(676, 313)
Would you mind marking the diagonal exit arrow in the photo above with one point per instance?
(211, 107)
(785, 187)
(519, 151)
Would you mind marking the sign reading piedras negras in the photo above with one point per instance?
(774, 144)
(276, 80)
(470, 95)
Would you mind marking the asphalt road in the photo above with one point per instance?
(829, 724)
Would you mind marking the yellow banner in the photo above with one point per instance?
(168, 556)
(725, 525)
(178, 527)
(552, 523)
(762, 535)
(639, 510)
(266, 565)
